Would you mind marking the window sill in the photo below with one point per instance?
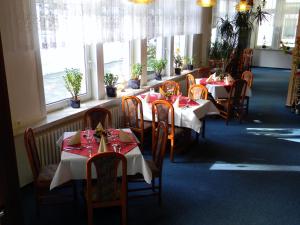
(56, 117)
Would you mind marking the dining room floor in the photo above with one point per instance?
(240, 174)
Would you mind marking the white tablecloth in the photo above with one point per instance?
(219, 91)
(186, 117)
(73, 166)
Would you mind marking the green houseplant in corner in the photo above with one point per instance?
(158, 65)
(110, 81)
(136, 73)
(73, 78)
(188, 61)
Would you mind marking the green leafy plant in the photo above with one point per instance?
(178, 61)
(136, 71)
(188, 60)
(157, 65)
(73, 80)
(110, 79)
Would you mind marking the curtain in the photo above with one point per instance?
(224, 8)
(113, 20)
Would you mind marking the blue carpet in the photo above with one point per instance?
(193, 194)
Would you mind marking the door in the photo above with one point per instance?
(10, 205)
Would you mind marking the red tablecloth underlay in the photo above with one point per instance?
(84, 151)
(183, 100)
(220, 83)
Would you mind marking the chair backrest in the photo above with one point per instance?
(132, 109)
(95, 115)
(204, 72)
(159, 144)
(190, 80)
(198, 91)
(171, 86)
(107, 186)
(237, 93)
(246, 61)
(162, 110)
(32, 152)
(248, 76)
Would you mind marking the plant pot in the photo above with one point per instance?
(75, 103)
(134, 84)
(177, 71)
(111, 91)
(264, 46)
(190, 67)
(157, 76)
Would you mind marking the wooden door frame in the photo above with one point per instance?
(10, 189)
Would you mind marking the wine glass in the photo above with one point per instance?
(89, 137)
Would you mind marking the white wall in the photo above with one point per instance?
(271, 58)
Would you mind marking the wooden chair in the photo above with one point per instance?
(156, 164)
(95, 115)
(234, 104)
(199, 91)
(162, 110)
(204, 72)
(108, 189)
(43, 175)
(171, 86)
(132, 109)
(190, 80)
(247, 76)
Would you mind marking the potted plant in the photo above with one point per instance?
(72, 80)
(178, 64)
(136, 73)
(188, 61)
(158, 65)
(110, 81)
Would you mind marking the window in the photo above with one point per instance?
(116, 59)
(180, 45)
(281, 24)
(154, 51)
(58, 51)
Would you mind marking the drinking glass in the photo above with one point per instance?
(89, 138)
(152, 91)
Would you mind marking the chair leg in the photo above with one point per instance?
(203, 128)
(124, 214)
(142, 141)
(159, 189)
(90, 215)
(172, 150)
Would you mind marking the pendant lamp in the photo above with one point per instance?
(243, 6)
(206, 3)
(141, 1)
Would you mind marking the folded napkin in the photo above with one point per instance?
(147, 98)
(230, 78)
(75, 139)
(99, 127)
(176, 103)
(161, 91)
(102, 145)
(124, 137)
(210, 78)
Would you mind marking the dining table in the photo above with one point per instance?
(73, 161)
(219, 89)
(188, 113)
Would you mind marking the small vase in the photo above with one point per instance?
(157, 76)
(111, 91)
(134, 84)
(75, 103)
(190, 67)
(177, 71)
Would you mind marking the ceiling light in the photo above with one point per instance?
(243, 6)
(206, 3)
(141, 1)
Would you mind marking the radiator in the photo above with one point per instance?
(46, 140)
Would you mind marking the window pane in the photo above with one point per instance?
(179, 45)
(151, 53)
(54, 62)
(270, 4)
(265, 32)
(288, 29)
(57, 54)
(116, 59)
